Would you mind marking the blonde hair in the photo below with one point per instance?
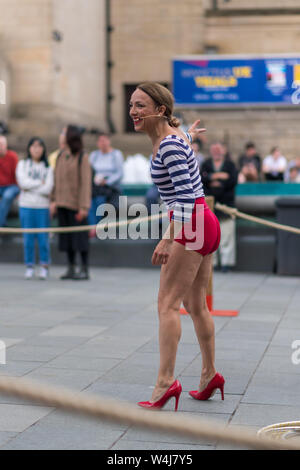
(161, 97)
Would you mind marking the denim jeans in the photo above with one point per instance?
(7, 194)
(35, 218)
(96, 201)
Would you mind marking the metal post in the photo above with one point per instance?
(109, 64)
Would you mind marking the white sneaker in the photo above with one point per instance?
(29, 272)
(43, 273)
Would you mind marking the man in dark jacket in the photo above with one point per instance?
(249, 164)
(219, 177)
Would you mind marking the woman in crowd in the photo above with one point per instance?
(71, 200)
(35, 178)
(185, 251)
(274, 165)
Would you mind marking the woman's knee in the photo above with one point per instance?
(198, 308)
(168, 306)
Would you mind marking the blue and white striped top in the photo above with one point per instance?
(176, 174)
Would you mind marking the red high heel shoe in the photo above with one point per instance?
(174, 391)
(217, 382)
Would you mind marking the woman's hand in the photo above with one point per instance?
(53, 209)
(196, 132)
(81, 215)
(162, 252)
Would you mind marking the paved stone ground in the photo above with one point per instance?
(101, 337)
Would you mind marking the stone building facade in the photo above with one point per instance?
(55, 53)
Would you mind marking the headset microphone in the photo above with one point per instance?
(154, 115)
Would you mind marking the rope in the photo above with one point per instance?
(81, 228)
(232, 211)
(236, 213)
(126, 413)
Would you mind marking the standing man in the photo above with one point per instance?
(219, 177)
(8, 184)
(107, 173)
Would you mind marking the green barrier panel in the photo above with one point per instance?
(135, 189)
(246, 189)
(268, 189)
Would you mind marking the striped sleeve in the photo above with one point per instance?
(173, 156)
(189, 137)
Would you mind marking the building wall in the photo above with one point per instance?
(79, 61)
(54, 82)
(253, 34)
(253, 4)
(25, 42)
(4, 89)
(147, 34)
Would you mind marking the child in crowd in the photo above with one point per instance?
(35, 178)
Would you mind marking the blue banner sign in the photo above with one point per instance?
(236, 80)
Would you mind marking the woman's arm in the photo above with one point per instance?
(85, 187)
(25, 182)
(47, 186)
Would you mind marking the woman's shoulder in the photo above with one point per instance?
(24, 163)
(172, 141)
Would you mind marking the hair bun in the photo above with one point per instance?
(174, 121)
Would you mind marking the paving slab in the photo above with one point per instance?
(62, 431)
(17, 418)
(101, 337)
(264, 415)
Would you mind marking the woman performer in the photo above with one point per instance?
(186, 264)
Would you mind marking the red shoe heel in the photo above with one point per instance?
(217, 382)
(173, 391)
(222, 391)
(177, 400)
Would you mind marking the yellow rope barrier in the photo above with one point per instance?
(116, 411)
(232, 211)
(236, 213)
(80, 228)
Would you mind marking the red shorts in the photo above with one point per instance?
(202, 233)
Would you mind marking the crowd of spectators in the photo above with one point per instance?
(70, 184)
(274, 167)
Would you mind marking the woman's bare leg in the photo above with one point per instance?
(195, 304)
(176, 279)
